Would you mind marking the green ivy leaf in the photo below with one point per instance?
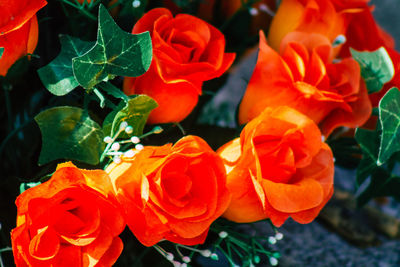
(369, 144)
(69, 133)
(376, 68)
(116, 52)
(25, 186)
(57, 76)
(389, 118)
(1, 51)
(135, 112)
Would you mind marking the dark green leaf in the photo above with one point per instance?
(376, 68)
(378, 186)
(58, 76)
(389, 118)
(1, 51)
(135, 112)
(69, 133)
(113, 91)
(369, 143)
(116, 52)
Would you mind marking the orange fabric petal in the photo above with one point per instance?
(45, 244)
(15, 14)
(175, 100)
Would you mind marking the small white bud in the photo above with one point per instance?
(272, 240)
(135, 140)
(265, 8)
(186, 259)
(253, 11)
(115, 146)
(170, 256)
(340, 39)
(184, 265)
(278, 236)
(139, 147)
(116, 159)
(223, 234)
(130, 153)
(273, 261)
(123, 125)
(214, 256)
(107, 139)
(136, 4)
(157, 130)
(129, 129)
(206, 253)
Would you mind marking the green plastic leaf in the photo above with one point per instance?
(376, 68)
(58, 76)
(116, 52)
(69, 133)
(25, 186)
(1, 51)
(389, 118)
(135, 112)
(369, 144)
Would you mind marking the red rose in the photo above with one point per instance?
(171, 192)
(186, 52)
(18, 30)
(71, 220)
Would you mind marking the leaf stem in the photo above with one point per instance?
(5, 249)
(81, 9)
(100, 96)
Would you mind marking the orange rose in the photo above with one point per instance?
(278, 168)
(71, 220)
(314, 16)
(186, 52)
(303, 78)
(363, 33)
(18, 30)
(172, 192)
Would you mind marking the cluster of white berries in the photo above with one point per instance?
(184, 259)
(272, 240)
(113, 147)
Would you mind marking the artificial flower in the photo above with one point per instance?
(73, 219)
(278, 168)
(171, 192)
(186, 52)
(18, 30)
(303, 77)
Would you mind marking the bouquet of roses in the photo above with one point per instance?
(122, 103)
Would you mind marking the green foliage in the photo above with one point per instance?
(389, 118)
(135, 112)
(1, 51)
(376, 68)
(116, 52)
(369, 143)
(25, 186)
(57, 76)
(379, 148)
(69, 133)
